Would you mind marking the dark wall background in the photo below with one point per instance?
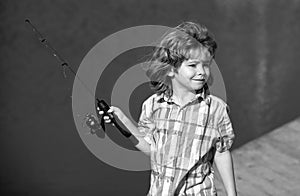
(42, 153)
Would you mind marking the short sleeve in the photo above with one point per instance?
(146, 124)
(225, 129)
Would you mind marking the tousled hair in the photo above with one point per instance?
(173, 49)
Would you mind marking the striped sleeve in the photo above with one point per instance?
(225, 129)
(146, 124)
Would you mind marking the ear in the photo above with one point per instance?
(171, 73)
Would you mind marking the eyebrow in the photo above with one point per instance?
(197, 61)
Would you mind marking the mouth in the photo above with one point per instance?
(199, 80)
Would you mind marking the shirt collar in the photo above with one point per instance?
(201, 95)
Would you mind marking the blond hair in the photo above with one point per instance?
(173, 49)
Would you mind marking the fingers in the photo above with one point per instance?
(102, 112)
(105, 117)
(108, 120)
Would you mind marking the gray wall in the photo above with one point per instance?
(42, 153)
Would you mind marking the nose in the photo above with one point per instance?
(200, 69)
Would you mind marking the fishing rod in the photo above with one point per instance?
(91, 120)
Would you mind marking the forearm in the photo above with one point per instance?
(224, 165)
(142, 145)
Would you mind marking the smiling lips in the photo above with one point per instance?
(199, 79)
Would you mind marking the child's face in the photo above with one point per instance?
(193, 72)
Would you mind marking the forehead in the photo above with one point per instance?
(199, 54)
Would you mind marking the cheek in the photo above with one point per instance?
(186, 73)
(207, 71)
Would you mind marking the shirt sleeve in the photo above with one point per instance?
(225, 129)
(146, 124)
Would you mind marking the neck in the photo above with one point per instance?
(183, 96)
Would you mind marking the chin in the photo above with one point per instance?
(198, 87)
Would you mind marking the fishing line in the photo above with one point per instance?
(58, 57)
(91, 121)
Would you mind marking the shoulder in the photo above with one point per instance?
(218, 103)
(150, 105)
(216, 100)
(151, 101)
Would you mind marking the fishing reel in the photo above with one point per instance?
(93, 123)
(97, 123)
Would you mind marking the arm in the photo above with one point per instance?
(142, 145)
(223, 161)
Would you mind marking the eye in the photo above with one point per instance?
(192, 65)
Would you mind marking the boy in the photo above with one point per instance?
(182, 127)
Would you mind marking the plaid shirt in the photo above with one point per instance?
(174, 134)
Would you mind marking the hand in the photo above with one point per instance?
(113, 110)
